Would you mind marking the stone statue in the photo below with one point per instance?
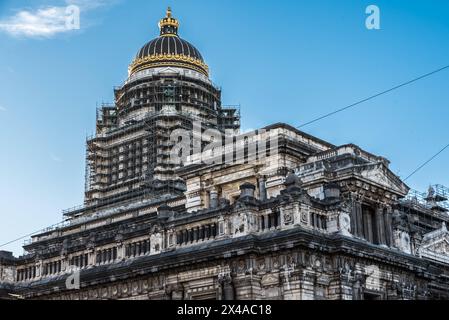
(156, 242)
(344, 224)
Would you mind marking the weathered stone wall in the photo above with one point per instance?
(295, 268)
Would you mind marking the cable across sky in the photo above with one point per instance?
(373, 96)
(378, 95)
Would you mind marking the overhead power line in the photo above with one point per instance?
(374, 96)
(318, 119)
(427, 162)
(30, 234)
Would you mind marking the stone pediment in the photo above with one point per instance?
(270, 280)
(381, 175)
(169, 70)
(435, 245)
(441, 247)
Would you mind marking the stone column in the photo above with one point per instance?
(272, 218)
(227, 287)
(354, 225)
(184, 237)
(65, 264)
(213, 231)
(368, 225)
(359, 220)
(380, 225)
(171, 239)
(262, 189)
(318, 221)
(297, 213)
(40, 269)
(228, 291)
(221, 228)
(356, 218)
(195, 234)
(388, 227)
(206, 232)
(164, 240)
(358, 286)
(202, 233)
(266, 217)
(91, 256)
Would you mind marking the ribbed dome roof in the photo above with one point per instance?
(169, 50)
(169, 45)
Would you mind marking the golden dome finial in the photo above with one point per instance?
(169, 25)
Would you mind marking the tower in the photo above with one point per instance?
(167, 88)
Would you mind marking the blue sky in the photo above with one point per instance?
(282, 61)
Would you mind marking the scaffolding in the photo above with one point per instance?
(436, 198)
(129, 156)
(427, 210)
(106, 117)
(230, 117)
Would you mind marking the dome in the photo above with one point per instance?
(169, 50)
(169, 45)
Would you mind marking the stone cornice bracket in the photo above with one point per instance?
(174, 288)
(90, 246)
(208, 183)
(119, 238)
(356, 196)
(224, 277)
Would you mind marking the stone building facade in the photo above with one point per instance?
(289, 216)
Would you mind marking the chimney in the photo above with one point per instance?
(247, 190)
(292, 182)
(332, 191)
(213, 199)
(164, 211)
